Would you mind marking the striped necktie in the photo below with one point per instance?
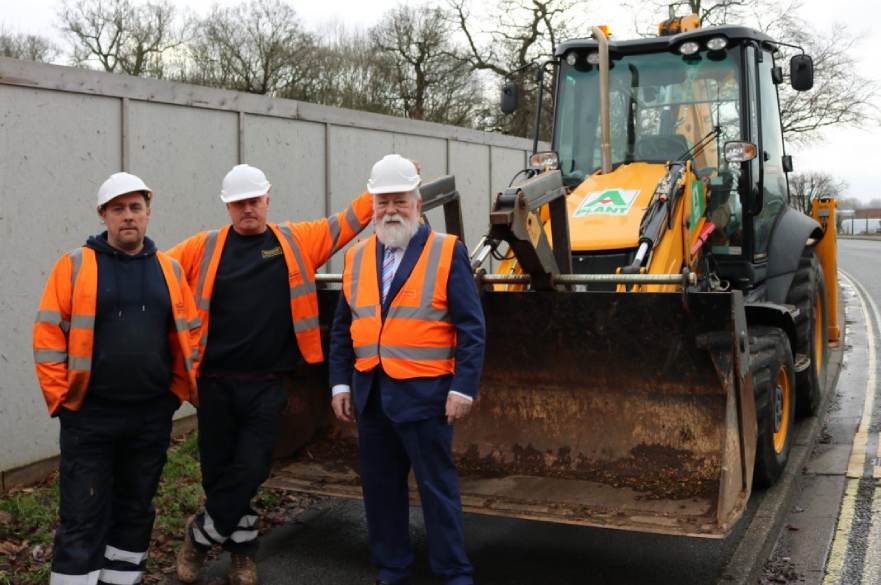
(388, 274)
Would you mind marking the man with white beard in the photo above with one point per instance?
(408, 341)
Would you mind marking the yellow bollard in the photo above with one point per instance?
(823, 210)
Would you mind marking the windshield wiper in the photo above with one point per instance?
(701, 144)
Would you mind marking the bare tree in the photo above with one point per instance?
(344, 71)
(258, 47)
(805, 187)
(430, 83)
(121, 36)
(840, 96)
(27, 47)
(526, 32)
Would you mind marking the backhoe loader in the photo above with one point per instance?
(657, 315)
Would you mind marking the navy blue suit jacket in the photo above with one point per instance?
(415, 398)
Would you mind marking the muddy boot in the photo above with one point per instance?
(242, 570)
(190, 556)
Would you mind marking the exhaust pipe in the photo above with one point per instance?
(605, 122)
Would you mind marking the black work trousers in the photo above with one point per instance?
(239, 423)
(112, 455)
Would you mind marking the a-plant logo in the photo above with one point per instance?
(608, 202)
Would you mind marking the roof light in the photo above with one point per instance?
(689, 48)
(572, 58)
(739, 151)
(717, 43)
(593, 58)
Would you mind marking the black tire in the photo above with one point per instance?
(773, 373)
(808, 293)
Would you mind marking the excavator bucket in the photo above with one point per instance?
(619, 410)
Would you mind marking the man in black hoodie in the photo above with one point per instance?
(113, 343)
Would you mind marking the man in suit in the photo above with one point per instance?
(408, 341)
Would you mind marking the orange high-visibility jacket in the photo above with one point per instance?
(417, 337)
(305, 245)
(64, 330)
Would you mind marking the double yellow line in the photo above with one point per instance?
(856, 469)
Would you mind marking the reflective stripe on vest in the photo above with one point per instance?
(204, 303)
(76, 261)
(305, 288)
(87, 322)
(352, 222)
(368, 352)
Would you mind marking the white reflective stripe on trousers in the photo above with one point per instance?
(243, 535)
(62, 579)
(111, 553)
(114, 577)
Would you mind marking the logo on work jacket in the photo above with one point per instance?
(271, 253)
(608, 202)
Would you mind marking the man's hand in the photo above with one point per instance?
(342, 407)
(457, 407)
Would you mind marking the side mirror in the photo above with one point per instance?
(787, 163)
(801, 72)
(510, 93)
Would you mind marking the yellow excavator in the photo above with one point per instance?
(657, 314)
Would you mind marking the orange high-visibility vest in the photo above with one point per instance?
(64, 330)
(417, 338)
(305, 245)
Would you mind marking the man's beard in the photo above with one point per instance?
(396, 234)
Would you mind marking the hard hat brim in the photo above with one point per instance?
(245, 195)
(399, 188)
(148, 194)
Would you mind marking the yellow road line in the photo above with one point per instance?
(872, 560)
(856, 464)
(838, 553)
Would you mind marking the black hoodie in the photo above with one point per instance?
(131, 355)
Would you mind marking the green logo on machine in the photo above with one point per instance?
(608, 202)
(697, 203)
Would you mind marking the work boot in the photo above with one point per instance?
(242, 570)
(190, 556)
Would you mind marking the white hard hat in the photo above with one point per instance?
(120, 184)
(243, 182)
(393, 174)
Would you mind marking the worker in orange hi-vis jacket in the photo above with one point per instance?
(254, 283)
(114, 344)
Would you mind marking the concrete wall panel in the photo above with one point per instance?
(470, 164)
(352, 153)
(506, 162)
(55, 150)
(182, 154)
(432, 156)
(291, 153)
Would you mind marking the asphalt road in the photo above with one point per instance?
(328, 545)
(835, 521)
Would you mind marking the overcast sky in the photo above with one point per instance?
(854, 154)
